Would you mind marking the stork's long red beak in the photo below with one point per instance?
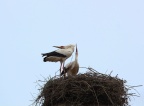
(61, 47)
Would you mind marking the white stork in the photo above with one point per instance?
(59, 55)
(72, 68)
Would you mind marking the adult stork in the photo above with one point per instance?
(72, 68)
(60, 55)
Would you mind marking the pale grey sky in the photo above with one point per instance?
(109, 35)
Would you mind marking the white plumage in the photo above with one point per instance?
(72, 68)
(59, 55)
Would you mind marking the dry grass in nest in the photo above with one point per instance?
(88, 89)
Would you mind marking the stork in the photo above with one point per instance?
(72, 68)
(60, 55)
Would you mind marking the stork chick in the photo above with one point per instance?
(72, 68)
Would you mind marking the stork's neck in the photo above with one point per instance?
(76, 57)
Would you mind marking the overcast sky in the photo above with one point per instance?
(109, 35)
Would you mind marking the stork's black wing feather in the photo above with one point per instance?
(54, 53)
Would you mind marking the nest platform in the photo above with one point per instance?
(89, 89)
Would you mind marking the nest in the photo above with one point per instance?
(88, 89)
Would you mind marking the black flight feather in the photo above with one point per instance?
(53, 54)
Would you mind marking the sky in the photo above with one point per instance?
(109, 35)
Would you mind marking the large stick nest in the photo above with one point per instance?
(88, 89)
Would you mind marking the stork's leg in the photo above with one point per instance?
(60, 68)
(64, 69)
